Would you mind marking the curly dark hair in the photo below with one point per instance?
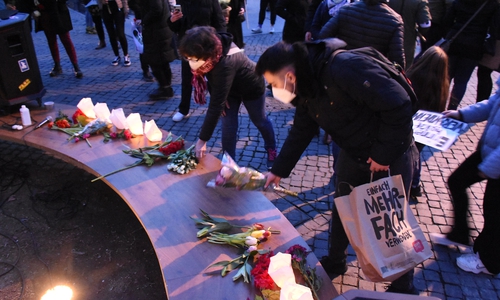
(200, 42)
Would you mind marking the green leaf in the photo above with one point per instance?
(220, 263)
(241, 272)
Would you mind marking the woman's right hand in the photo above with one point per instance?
(453, 114)
(176, 16)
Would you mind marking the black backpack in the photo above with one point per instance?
(395, 70)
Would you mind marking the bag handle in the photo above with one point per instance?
(388, 172)
(468, 21)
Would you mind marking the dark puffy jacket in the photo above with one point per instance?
(367, 113)
(469, 43)
(198, 13)
(321, 17)
(156, 34)
(233, 77)
(363, 25)
(294, 12)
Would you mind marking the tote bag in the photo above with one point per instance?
(382, 229)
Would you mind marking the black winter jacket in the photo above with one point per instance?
(198, 13)
(156, 34)
(362, 25)
(367, 113)
(321, 17)
(233, 77)
(294, 12)
(56, 15)
(469, 43)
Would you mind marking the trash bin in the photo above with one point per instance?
(20, 79)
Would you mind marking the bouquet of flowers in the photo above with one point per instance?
(75, 129)
(241, 178)
(247, 241)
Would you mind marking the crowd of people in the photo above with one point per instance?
(365, 113)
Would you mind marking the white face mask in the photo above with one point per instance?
(196, 64)
(283, 94)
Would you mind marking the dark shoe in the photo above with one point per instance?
(333, 269)
(408, 291)
(146, 76)
(162, 93)
(271, 156)
(56, 70)
(100, 45)
(415, 191)
(78, 72)
(116, 61)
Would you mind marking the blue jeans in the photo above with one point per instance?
(88, 19)
(256, 112)
(355, 172)
(459, 69)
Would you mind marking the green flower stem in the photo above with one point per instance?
(139, 162)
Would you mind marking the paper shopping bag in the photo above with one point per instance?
(382, 229)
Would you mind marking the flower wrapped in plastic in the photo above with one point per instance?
(242, 178)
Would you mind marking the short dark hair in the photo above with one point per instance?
(282, 55)
(275, 58)
(199, 42)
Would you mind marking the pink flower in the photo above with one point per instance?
(112, 135)
(85, 135)
(77, 139)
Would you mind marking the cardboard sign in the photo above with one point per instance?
(434, 130)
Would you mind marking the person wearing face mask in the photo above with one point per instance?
(232, 81)
(366, 112)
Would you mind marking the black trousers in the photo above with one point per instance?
(487, 243)
(114, 20)
(163, 74)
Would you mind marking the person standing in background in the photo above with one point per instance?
(489, 63)
(157, 38)
(467, 48)
(54, 20)
(324, 12)
(193, 13)
(262, 15)
(113, 15)
(438, 9)
(236, 17)
(416, 18)
(369, 23)
(95, 12)
(294, 13)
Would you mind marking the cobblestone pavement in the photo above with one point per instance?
(310, 212)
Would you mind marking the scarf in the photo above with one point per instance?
(198, 82)
(334, 6)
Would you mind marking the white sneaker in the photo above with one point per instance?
(472, 263)
(441, 239)
(178, 117)
(272, 30)
(257, 30)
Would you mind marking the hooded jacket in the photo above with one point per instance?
(489, 144)
(362, 25)
(198, 13)
(233, 77)
(366, 112)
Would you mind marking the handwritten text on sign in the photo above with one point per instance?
(432, 129)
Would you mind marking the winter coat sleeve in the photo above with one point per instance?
(367, 83)
(477, 112)
(220, 81)
(311, 13)
(302, 132)
(396, 48)
(330, 29)
(316, 24)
